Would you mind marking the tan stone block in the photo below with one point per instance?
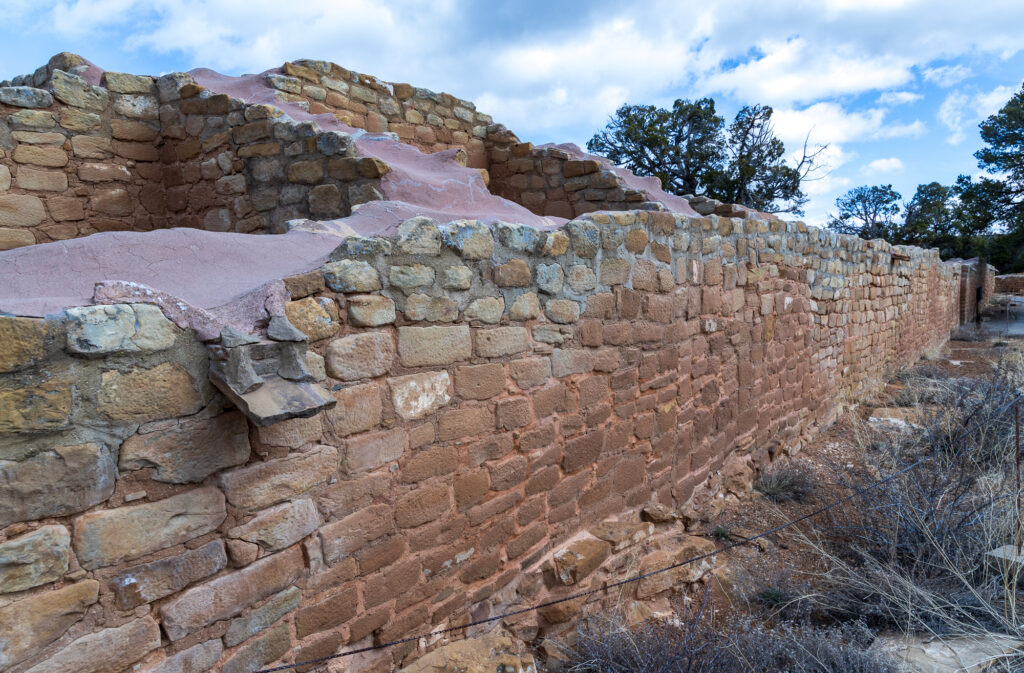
(423, 505)
(41, 119)
(40, 408)
(39, 557)
(43, 181)
(304, 284)
(55, 482)
(228, 595)
(485, 309)
(432, 309)
(515, 273)
(110, 536)
(577, 560)
(370, 310)
(263, 484)
(140, 395)
(416, 395)
(359, 408)
(293, 433)
(152, 581)
(95, 172)
(124, 83)
(429, 346)
(562, 311)
(358, 356)
(525, 307)
(31, 624)
(23, 342)
(136, 131)
(21, 210)
(316, 317)
(107, 651)
(306, 172)
(77, 92)
(5, 178)
(465, 422)
(39, 138)
(530, 372)
(342, 539)
(501, 341)
(370, 451)
(479, 382)
(79, 120)
(91, 147)
(280, 526)
(190, 450)
(116, 202)
(15, 238)
(51, 157)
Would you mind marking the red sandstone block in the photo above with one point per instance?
(483, 567)
(590, 332)
(531, 510)
(508, 473)
(600, 305)
(493, 507)
(465, 422)
(598, 414)
(522, 544)
(424, 504)
(436, 461)
(328, 613)
(490, 448)
(496, 532)
(343, 538)
(628, 303)
(538, 438)
(391, 582)
(368, 623)
(479, 382)
(382, 553)
(447, 531)
(543, 480)
(583, 451)
(661, 308)
(471, 489)
(550, 399)
(514, 413)
(592, 390)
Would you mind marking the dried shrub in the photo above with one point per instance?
(785, 482)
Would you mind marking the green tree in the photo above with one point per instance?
(684, 147)
(868, 212)
(1003, 133)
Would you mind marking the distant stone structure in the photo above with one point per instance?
(427, 402)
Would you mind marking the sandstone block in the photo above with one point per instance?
(359, 356)
(344, 538)
(424, 504)
(15, 238)
(469, 238)
(622, 534)
(142, 395)
(31, 624)
(37, 408)
(431, 346)
(21, 210)
(107, 651)
(190, 450)
(96, 147)
(566, 362)
(350, 275)
(486, 653)
(39, 137)
(50, 157)
(431, 309)
(23, 342)
(306, 172)
(60, 481)
(586, 238)
(325, 201)
(25, 96)
(525, 307)
(37, 558)
(370, 310)
(577, 560)
(196, 659)
(327, 614)
(152, 581)
(79, 121)
(65, 208)
(465, 422)
(458, 277)
(5, 178)
(359, 408)
(42, 181)
(417, 395)
(562, 311)
(557, 244)
(581, 279)
(280, 526)
(479, 382)
(614, 271)
(419, 236)
(260, 652)
(515, 273)
(370, 451)
(125, 129)
(416, 275)
(263, 484)
(501, 341)
(137, 106)
(485, 309)
(118, 328)
(77, 92)
(292, 433)
(305, 284)
(259, 619)
(316, 317)
(107, 537)
(530, 372)
(40, 119)
(116, 202)
(228, 595)
(124, 83)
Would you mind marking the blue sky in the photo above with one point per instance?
(895, 88)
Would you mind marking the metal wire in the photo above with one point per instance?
(606, 586)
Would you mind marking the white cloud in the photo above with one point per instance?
(951, 114)
(883, 166)
(986, 104)
(891, 98)
(947, 75)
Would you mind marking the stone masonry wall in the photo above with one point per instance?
(1010, 284)
(973, 275)
(498, 393)
(140, 153)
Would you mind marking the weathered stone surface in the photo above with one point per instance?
(280, 526)
(431, 309)
(60, 481)
(21, 210)
(39, 408)
(515, 273)
(42, 181)
(370, 310)
(228, 595)
(469, 238)
(243, 628)
(263, 484)
(419, 236)
(97, 147)
(22, 342)
(429, 346)
(77, 92)
(530, 372)
(586, 238)
(622, 534)
(52, 157)
(483, 654)
(151, 581)
(581, 279)
(417, 395)
(562, 311)
(37, 558)
(31, 624)
(118, 328)
(260, 652)
(360, 356)
(316, 317)
(342, 539)
(196, 659)
(107, 537)
(525, 307)
(292, 433)
(557, 244)
(142, 395)
(579, 559)
(458, 277)
(15, 238)
(501, 341)
(124, 83)
(415, 275)
(370, 451)
(107, 651)
(190, 450)
(359, 408)
(5, 178)
(350, 275)
(485, 309)
(25, 96)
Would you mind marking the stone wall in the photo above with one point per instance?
(139, 153)
(1012, 283)
(974, 274)
(498, 393)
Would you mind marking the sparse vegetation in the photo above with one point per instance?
(785, 481)
(720, 534)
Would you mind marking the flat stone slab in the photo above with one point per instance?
(278, 399)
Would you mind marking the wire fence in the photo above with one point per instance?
(607, 585)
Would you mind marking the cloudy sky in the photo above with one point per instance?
(895, 88)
